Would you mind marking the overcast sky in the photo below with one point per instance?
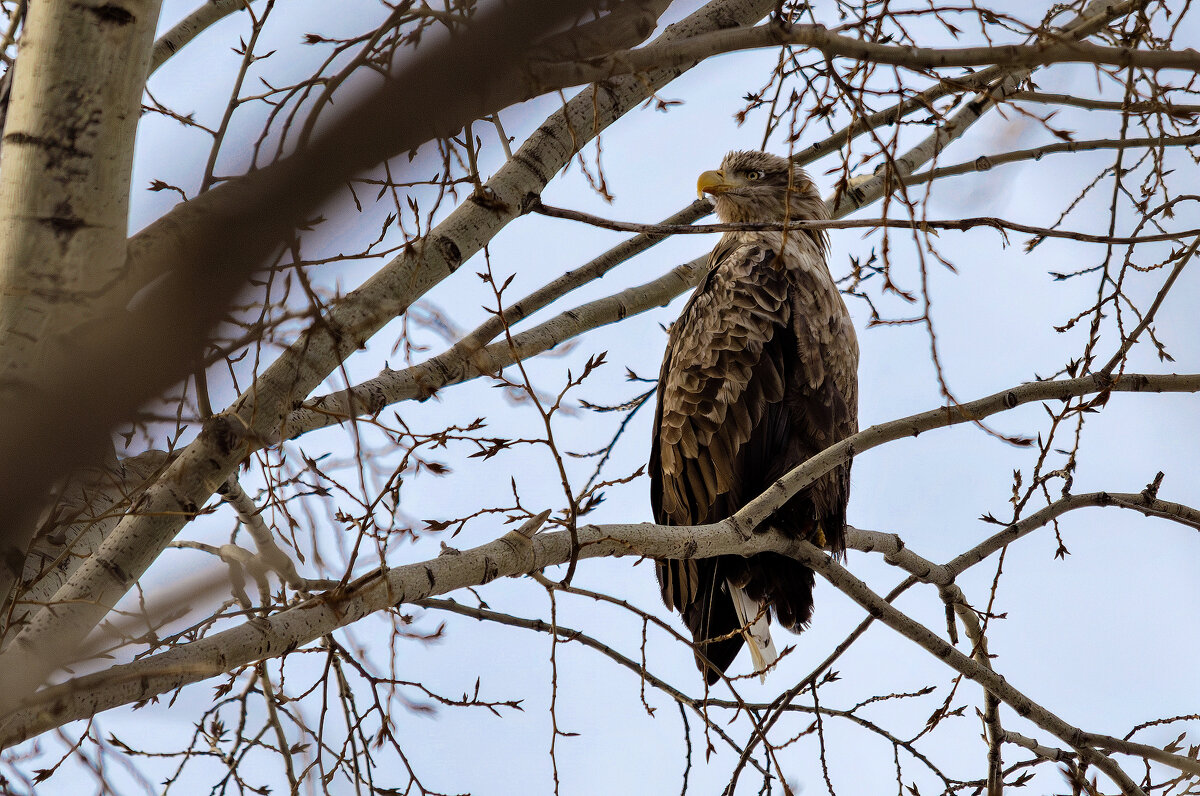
(1106, 637)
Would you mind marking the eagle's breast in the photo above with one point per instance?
(760, 328)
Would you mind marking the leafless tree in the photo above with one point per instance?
(222, 468)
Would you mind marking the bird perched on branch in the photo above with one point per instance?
(760, 374)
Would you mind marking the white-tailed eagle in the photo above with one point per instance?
(760, 374)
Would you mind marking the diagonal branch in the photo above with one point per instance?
(95, 361)
(465, 360)
(1131, 338)
(237, 223)
(916, 632)
(191, 26)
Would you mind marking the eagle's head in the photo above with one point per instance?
(759, 186)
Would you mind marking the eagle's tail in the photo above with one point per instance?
(757, 632)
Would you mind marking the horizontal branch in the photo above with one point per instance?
(513, 554)
(987, 162)
(832, 45)
(1046, 752)
(959, 224)
(257, 415)
(1177, 512)
(1124, 106)
(1189, 765)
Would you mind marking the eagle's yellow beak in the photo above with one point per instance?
(711, 182)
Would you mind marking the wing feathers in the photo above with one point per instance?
(759, 375)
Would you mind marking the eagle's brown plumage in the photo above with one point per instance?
(760, 374)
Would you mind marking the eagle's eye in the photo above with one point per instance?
(755, 174)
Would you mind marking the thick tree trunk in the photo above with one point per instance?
(64, 200)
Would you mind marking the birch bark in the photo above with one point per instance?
(64, 200)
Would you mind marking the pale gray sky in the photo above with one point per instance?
(1106, 638)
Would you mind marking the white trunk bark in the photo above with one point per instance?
(64, 193)
(64, 175)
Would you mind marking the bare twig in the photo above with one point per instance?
(318, 616)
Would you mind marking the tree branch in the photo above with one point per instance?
(103, 360)
(987, 162)
(958, 224)
(832, 45)
(515, 554)
(80, 516)
(191, 26)
(923, 637)
(465, 361)
(237, 223)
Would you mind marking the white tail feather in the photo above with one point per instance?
(758, 634)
